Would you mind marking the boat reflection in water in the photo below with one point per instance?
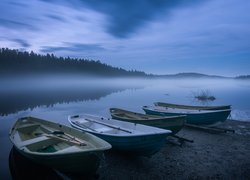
(23, 168)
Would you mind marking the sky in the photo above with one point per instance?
(155, 36)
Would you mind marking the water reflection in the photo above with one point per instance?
(29, 93)
(23, 168)
(12, 103)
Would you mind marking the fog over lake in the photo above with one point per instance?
(34, 96)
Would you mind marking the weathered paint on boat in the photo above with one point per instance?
(128, 137)
(70, 152)
(197, 117)
(192, 107)
(173, 123)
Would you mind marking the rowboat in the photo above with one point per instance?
(136, 139)
(169, 105)
(173, 123)
(197, 117)
(57, 146)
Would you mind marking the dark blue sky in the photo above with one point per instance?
(156, 36)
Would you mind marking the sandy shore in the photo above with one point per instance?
(211, 156)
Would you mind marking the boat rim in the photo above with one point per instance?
(194, 111)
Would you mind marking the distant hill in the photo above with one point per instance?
(190, 75)
(243, 77)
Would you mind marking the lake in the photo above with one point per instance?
(54, 98)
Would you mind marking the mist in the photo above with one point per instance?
(29, 92)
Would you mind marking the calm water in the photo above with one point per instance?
(53, 99)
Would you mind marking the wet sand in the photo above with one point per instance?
(211, 156)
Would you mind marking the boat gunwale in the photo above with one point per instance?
(194, 107)
(195, 112)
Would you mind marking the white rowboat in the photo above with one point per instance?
(128, 137)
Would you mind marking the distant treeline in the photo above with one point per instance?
(13, 61)
(243, 77)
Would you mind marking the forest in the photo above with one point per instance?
(15, 62)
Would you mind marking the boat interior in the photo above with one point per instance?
(39, 138)
(132, 116)
(98, 128)
(183, 111)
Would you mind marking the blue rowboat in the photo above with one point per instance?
(170, 105)
(128, 137)
(197, 117)
(173, 123)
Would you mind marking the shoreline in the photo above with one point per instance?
(210, 156)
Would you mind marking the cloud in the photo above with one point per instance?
(125, 17)
(56, 17)
(72, 47)
(15, 24)
(23, 43)
(21, 4)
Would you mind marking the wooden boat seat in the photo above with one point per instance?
(32, 141)
(131, 115)
(28, 127)
(71, 149)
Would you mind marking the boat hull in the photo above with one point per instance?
(206, 118)
(81, 163)
(138, 145)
